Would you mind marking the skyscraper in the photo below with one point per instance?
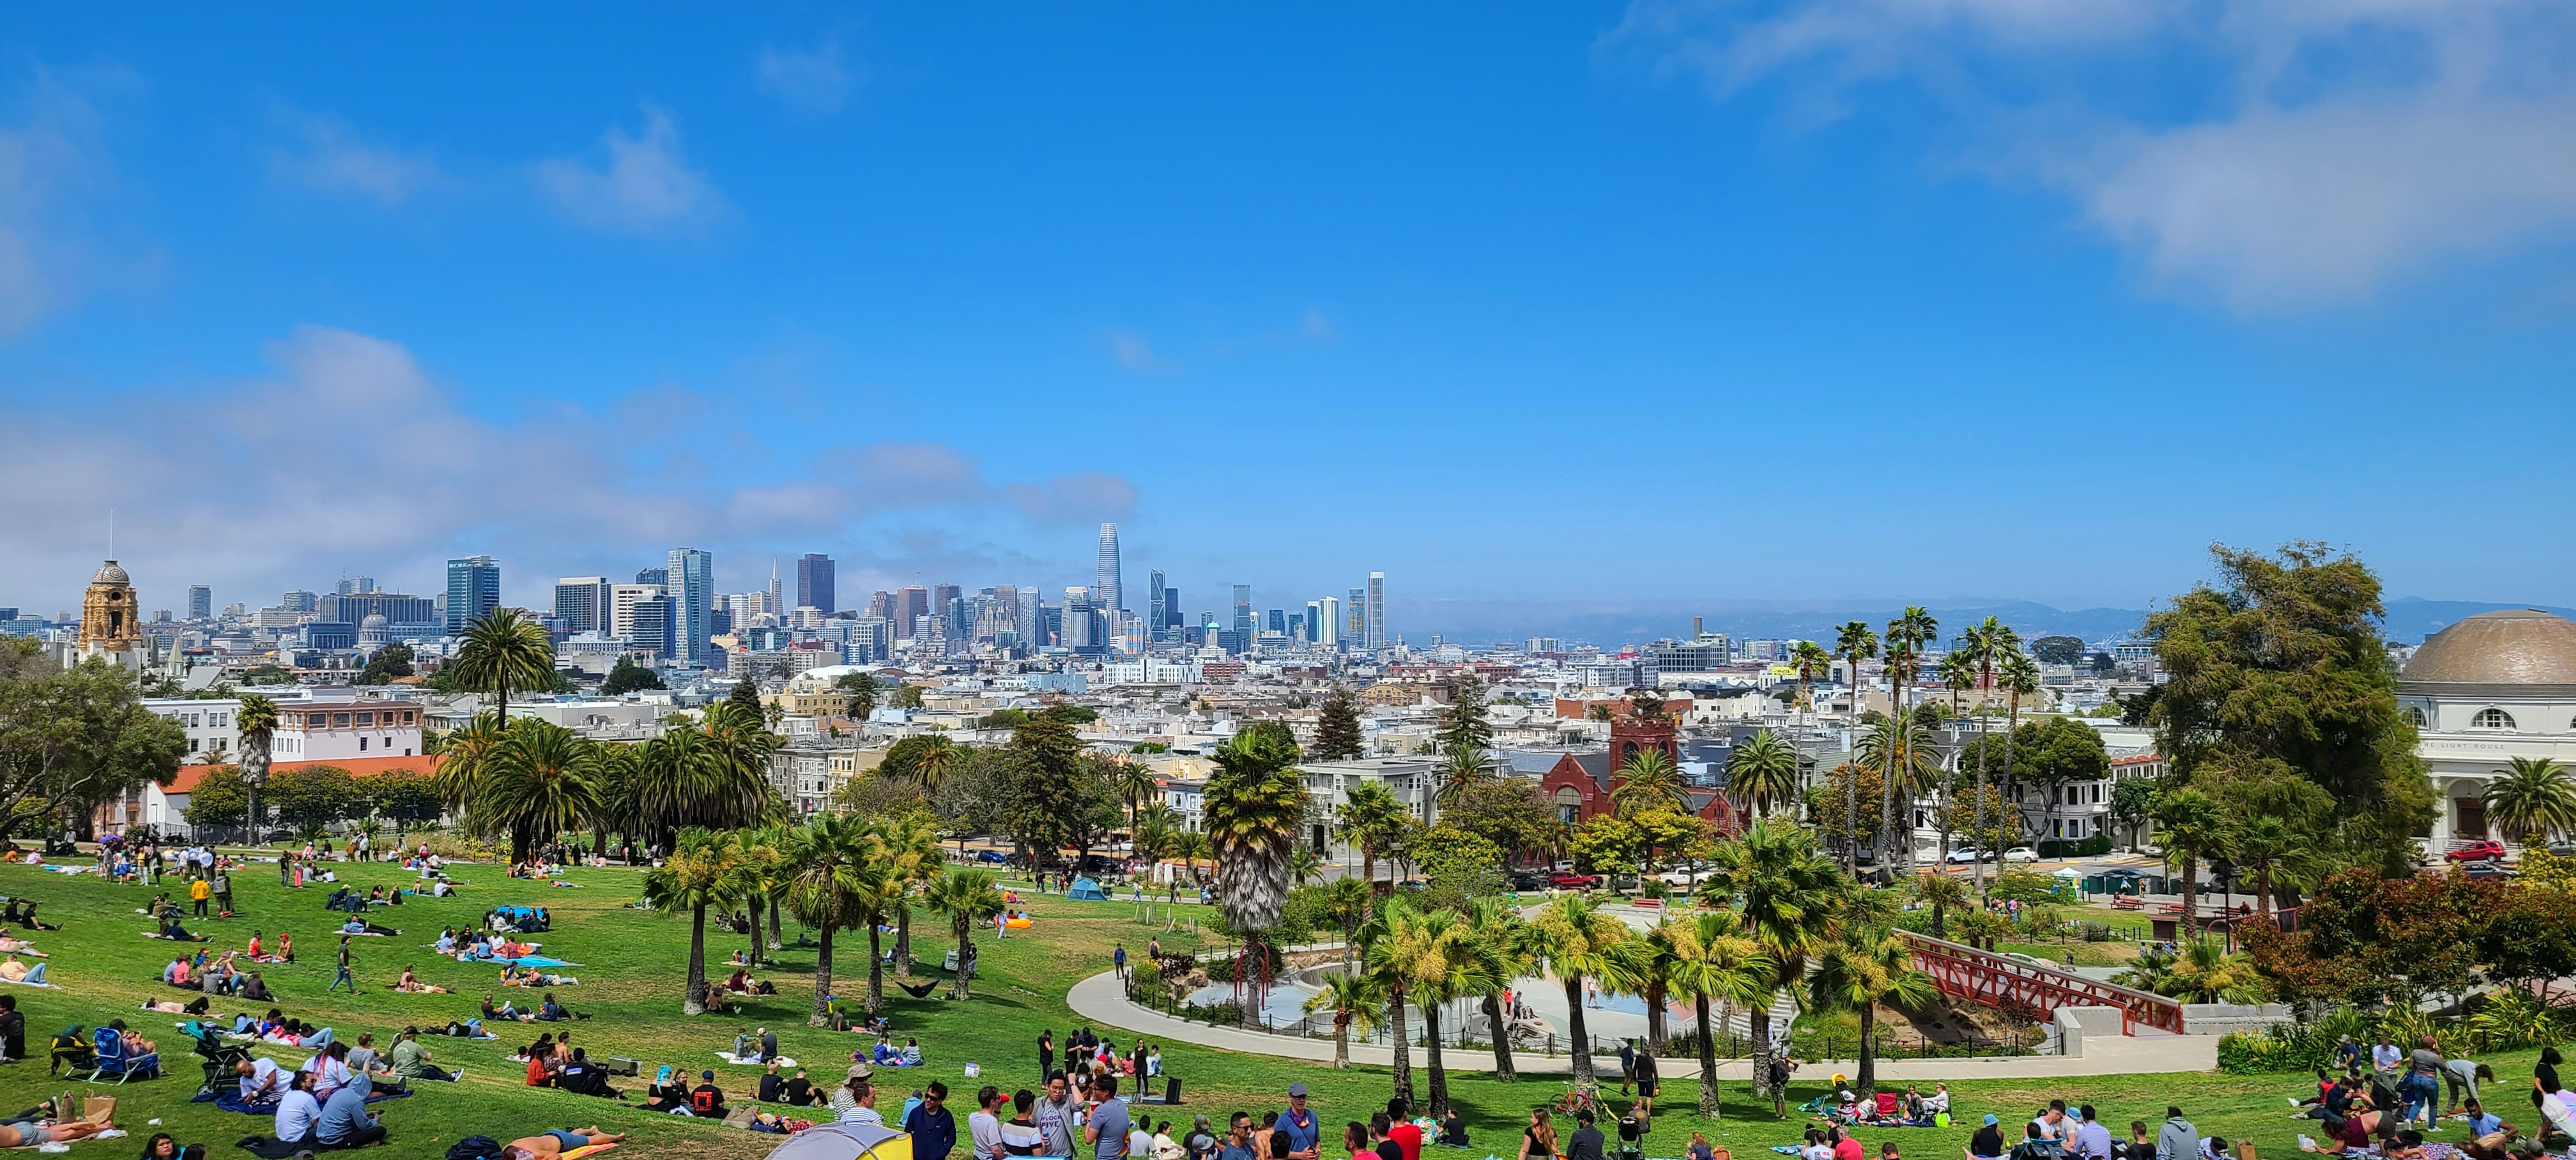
(473, 591)
(1328, 622)
(201, 602)
(693, 596)
(1080, 621)
(1243, 611)
(910, 605)
(1156, 616)
(1376, 611)
(951, 612)
(586, 603)
(1355, 619)
(1172, 621)
(777, 599)
(1108, 593)
(653, 576)
(814, 582)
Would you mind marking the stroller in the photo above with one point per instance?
(218, 1055)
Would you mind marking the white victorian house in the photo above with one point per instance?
(2493, 687)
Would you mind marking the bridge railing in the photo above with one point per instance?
(1983, 977)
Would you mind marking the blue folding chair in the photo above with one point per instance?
(113, 1062)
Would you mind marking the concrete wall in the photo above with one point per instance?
(2071, 1026)
(2221, 1018)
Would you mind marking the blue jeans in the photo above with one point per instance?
(342, 977)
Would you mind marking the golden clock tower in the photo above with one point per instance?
(111, 625)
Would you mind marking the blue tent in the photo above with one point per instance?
(1086, 890)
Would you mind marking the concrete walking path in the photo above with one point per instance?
(1101, 1000)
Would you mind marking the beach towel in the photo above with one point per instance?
(35, 978)
(783, 1062)
(587, 1150)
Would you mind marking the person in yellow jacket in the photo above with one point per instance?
(198, 892)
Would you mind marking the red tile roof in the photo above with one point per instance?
(190, 775)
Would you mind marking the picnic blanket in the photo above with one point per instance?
(232, 1101)
(586, 1150)
(521, 961)
(753, 1060)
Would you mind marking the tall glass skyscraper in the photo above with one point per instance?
(1376, 611)
(1243, 611)
(693, 596)
(201, 600)
(814, 582)
(473, 591)
(1108, 593)
(1155, 595)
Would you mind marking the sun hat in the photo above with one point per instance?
(1991, 1121)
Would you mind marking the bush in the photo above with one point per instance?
(2095, 846)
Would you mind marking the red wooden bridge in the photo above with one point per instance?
(2036, 992)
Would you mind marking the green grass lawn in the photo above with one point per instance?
(632, 962)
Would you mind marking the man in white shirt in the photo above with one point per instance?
(984, 1128)
(261, 1081)
(865, 1111)
(297, 1113)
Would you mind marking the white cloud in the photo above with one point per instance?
(2340, 147)
(396, 477)
(810, 80)
(1136, 355)
(330, 158)
(645, 187)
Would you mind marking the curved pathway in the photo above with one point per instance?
(1101, 1000)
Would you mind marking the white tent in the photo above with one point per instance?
(845, 1142)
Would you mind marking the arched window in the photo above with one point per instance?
(2491, 719)
(2415, 717)
(1569, 805)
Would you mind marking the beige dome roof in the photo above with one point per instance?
(2513, 646)
(109, 573)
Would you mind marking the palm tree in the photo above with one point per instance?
(2190, 827)
(702, 871)
(1904, 752)
(1958, 675)
(829, 879)
(743, 746)
(1465, 768)
(1787, 892)
(1991, 640)
(1372, 819)
(1649, 782)
(1451, 971)
(1943, 894)
(1852, 645)
(502, 651)
(1709, 959)
(2534, 797)
(1134, 781)
(2276, 852)
(764, 876)
(1254, 805)
(1347, 901)
(1858, 975)
(1501, 941)
(2020, 679)
(1764, 772)
(885, 899)
(1575, 940)
(538, 781)
(257, 720)
(911, 843)
(2199, 971)
(1812, 662)
(465, 763)
(966, 896)
(1353, 999)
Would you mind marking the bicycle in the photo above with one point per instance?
(1577, 1098)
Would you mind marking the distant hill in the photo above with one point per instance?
(1611, 623)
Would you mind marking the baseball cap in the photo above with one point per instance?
(1296, 1091)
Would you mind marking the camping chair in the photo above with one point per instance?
(218, 1055)
(113, 1062)
(1817, 1106)
(71, 1049)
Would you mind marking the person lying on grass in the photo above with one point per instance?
(555, 1143)
(410, 984)
(505, 1013)
(29, 1133)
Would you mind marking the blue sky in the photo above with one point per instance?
(1669, 301)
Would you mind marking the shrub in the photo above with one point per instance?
(2095, 846)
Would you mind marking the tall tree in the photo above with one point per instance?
(703, 871)
(1255, 804)
(1463, 723)
(861, 689)
(1649, 782)
(1856, 642)
(2534, 798)
(1812, 662)
(1764, 772)
(2020, 678)
(967, 898)
(1787, 892)
(501, 652)
(1353, 998)
(1337, 727)
(920, 761)
(829, 881)
(1135, 782)
(2190, 827)
(1462, 769)
(1373, 820)
(257, 721)
(1707, 959)
(1576, 940)
(1991, 640)
(2283, 659)
(1501, 942)
(625, 676)
(538, 781)
(1859, 973)
(1906, 637)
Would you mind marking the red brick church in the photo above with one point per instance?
(1579, 785)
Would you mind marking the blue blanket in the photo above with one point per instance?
(232, 1101)
(526, 961)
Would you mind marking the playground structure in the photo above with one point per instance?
(2032, 990)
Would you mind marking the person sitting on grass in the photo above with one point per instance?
(358, 925)
(552, 1011)
(707, 1099)
(410, 984)
(412, 1060)
(552, 1142)
(665, 1094)
(505, 1013)
(170, 928)
(177, 974)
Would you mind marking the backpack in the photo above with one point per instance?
(474, 1148)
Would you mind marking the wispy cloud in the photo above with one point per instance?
(814, 81)
(1136, 355)
(53, 161)
(329, 157)
(555, 490)
(2345, 148)
(644, 185)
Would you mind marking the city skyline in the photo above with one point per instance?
(2245, 281)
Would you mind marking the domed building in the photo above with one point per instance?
(374, 632)
(2488, 689)
(111, 623)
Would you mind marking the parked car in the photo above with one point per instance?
(1568, 880)
(1528, 880)
(992, 857)
(2021, 854)
(2483, 850)
(2562, 849)
(2485, 869)
(1624, 882)
(1963, 855)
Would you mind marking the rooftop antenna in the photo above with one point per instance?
(111, 533)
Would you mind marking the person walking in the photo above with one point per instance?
(343, 976)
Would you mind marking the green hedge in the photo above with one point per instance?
(2093, 847)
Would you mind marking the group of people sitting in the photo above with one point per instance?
(550, 1010)
(1889, 1109)
(516, 976)
(217, 975)
(554, 1062)
(886, 1054)
(21, 912)
(165, 917)
(741, 983)
(320, 1106)
(2387, 1109)
(350, 900)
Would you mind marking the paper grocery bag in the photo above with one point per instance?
(2245, 1150)
(98, 1109)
